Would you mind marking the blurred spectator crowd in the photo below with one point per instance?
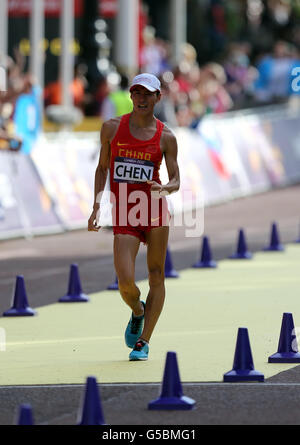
(191, 91)
(241, 78)
(20, 111)
(16, 84)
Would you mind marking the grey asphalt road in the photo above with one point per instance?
(44, 261)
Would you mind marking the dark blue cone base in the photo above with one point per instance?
(284, 357)
(113, 286)
(237, 375)
(278, 248)
(172, 403)
(81, 298)
(205, 264)
(241, 256)
(13, 312)
(171, 274)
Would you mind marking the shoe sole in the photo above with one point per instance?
(138, 359)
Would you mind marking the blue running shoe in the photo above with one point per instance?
(134, 329)
(140, 351)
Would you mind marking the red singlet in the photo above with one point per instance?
(133, 162)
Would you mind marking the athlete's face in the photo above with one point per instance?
(143, 100)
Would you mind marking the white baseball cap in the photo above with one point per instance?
(149, 81)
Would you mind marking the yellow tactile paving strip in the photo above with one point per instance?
(64, 343)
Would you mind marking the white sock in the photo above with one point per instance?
(143, 341)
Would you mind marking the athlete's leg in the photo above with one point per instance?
(125, 250)
(157, 243)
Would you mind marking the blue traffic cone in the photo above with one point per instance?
(206, 256)
(171, 397)
(242, 252)
(275, 245)
(74, 288)
(170, 272)
(287, 347)
(298, 240)
(25, 415)
(92, 410)
(243, 367)
(20, 303)
(114, 286)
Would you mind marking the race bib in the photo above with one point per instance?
(132, 170)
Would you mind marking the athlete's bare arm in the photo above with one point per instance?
(107, 134)
(169, 149)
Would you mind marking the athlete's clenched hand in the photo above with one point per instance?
(157, 190)
(92, 222)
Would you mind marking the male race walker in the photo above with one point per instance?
(132, 148)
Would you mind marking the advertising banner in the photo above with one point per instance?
(256, 152)
(25, 207)
(224, 158)
(66, 163)
(11, 221)
(22, 8)
(284, 138)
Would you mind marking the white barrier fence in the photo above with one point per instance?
(226, 157)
